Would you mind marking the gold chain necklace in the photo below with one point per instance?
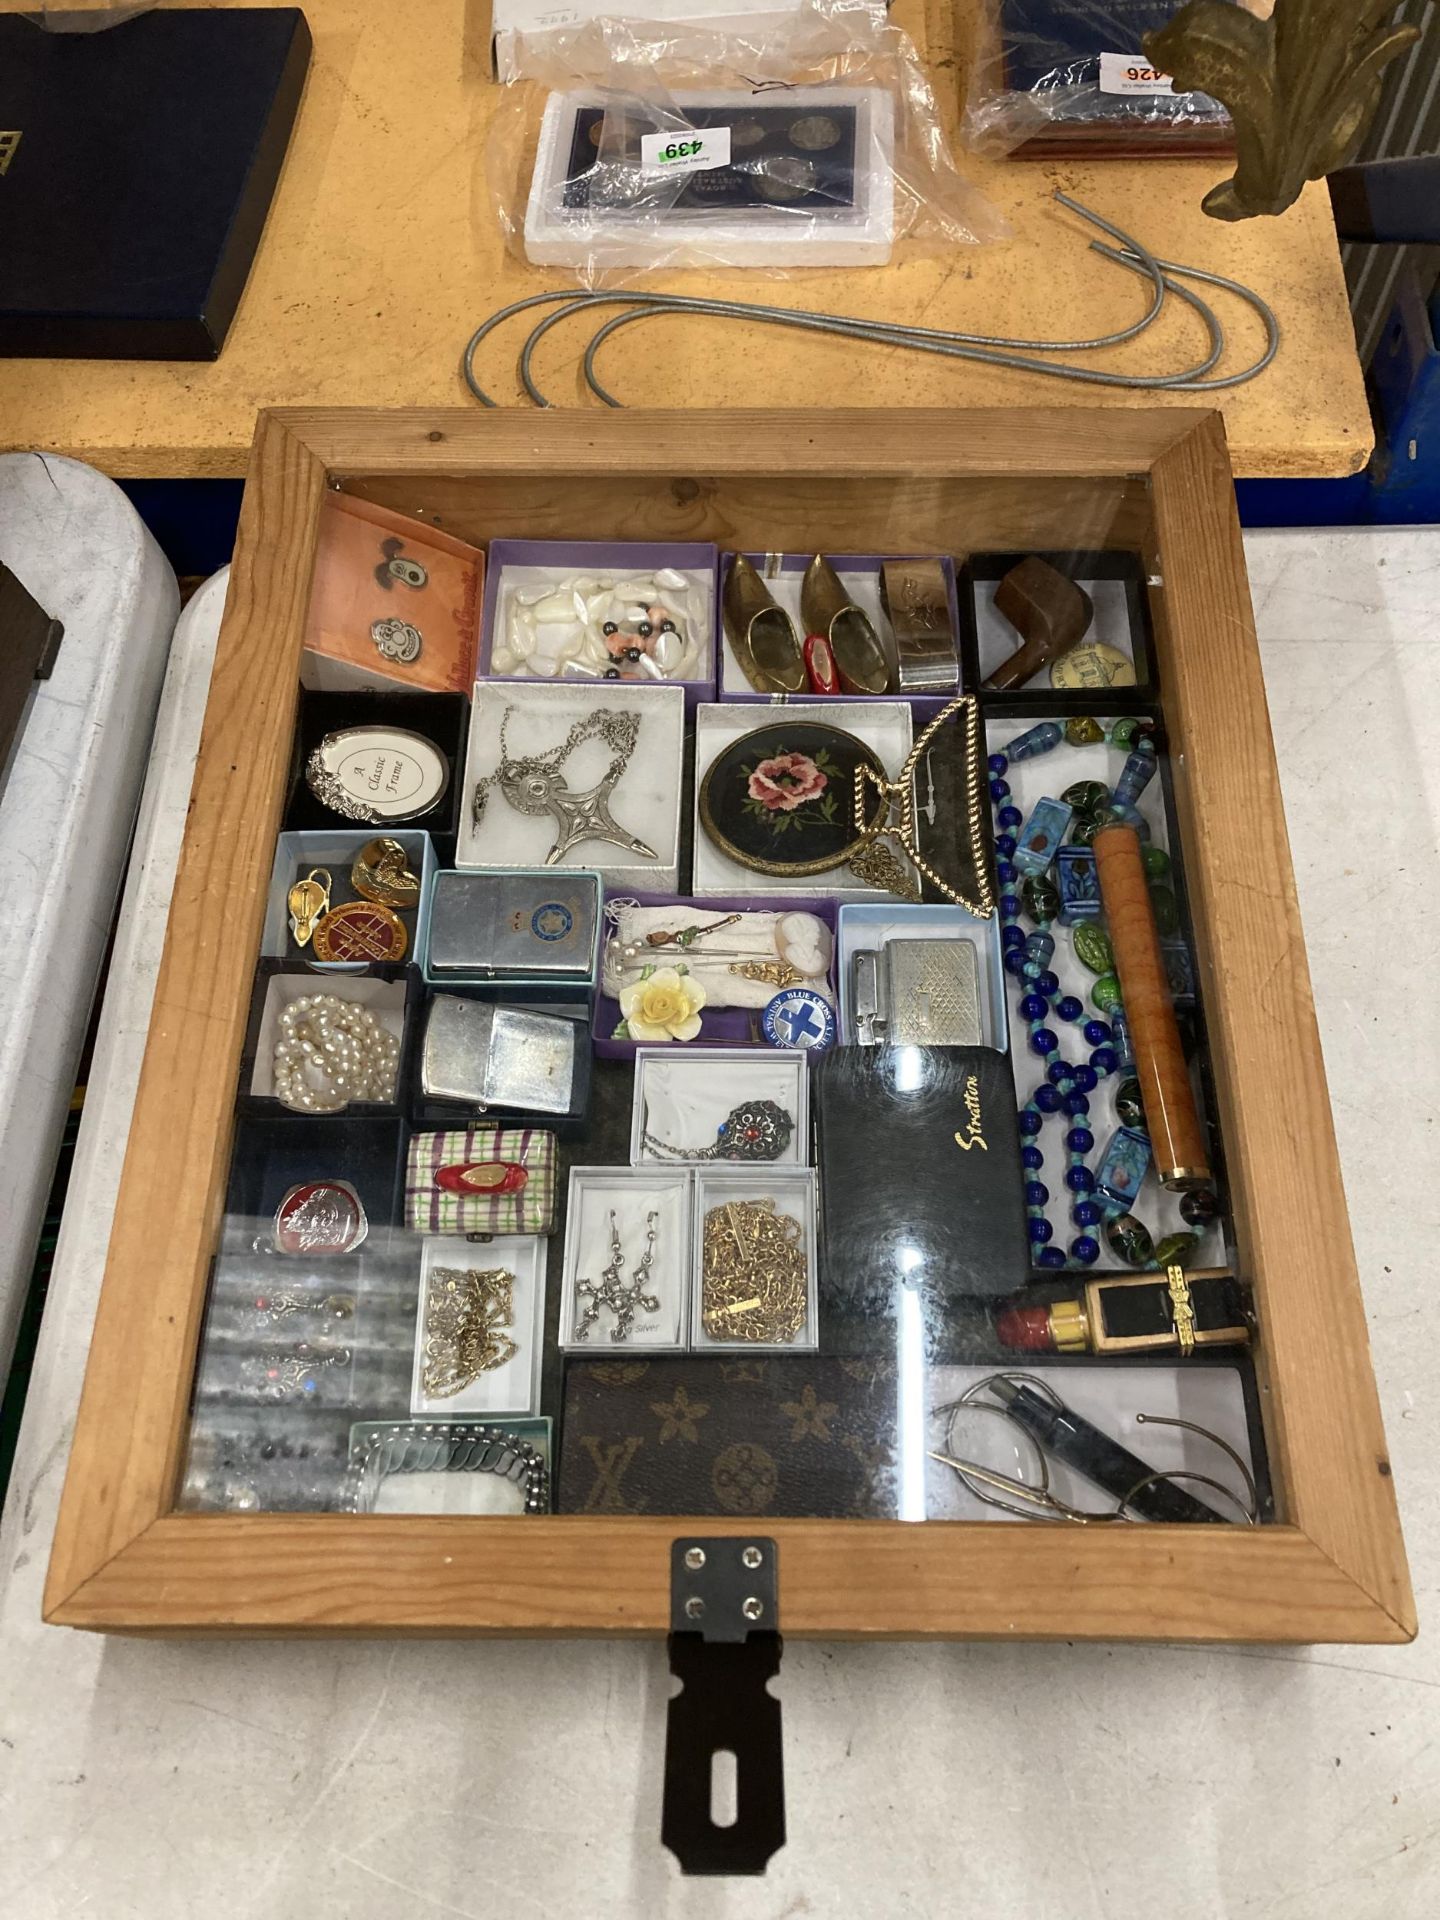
(753, 1274)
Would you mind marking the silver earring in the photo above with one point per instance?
(397, 640)
(612, 1290)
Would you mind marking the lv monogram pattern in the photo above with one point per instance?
(781, 1435)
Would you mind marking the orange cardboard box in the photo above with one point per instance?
(394, 604)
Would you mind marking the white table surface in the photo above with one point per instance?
(511, 1781)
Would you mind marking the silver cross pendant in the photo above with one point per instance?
(579, 816)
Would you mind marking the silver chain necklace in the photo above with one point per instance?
(534, 784)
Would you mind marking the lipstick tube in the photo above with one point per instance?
(1172, 1312)
(1182, 1159)
(819, 657)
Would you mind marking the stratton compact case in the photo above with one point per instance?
(162, 1528)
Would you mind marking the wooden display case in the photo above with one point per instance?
(1331, 1568)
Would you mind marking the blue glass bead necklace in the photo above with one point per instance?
(1022, 871)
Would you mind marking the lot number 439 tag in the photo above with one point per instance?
(685, 150)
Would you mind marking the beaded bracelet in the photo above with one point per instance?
(444, 1447)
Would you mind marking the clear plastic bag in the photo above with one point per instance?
(87, 16)
(627, 147)
(1057, 77)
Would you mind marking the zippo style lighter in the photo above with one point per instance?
(513, 926)
(484, 1056)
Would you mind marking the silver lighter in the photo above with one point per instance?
(513, 926)
(931, 994)
(867, 1013)
(489, 1056)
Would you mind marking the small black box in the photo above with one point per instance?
(137, 167)
(441, 718)
(920, 1179)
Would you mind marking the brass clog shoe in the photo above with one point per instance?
(762, 633)
(826, 608)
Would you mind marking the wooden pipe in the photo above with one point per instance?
(1048, 611)
(1181, 1156)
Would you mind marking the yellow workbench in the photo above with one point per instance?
(382, 253)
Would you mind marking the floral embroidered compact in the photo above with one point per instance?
(782, 799)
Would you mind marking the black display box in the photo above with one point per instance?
(442, 718)
(275, 1154)
(982, 573)
(600, 179)
(133, 199)
(952, 1227)
(376, 1285)
(332, 981)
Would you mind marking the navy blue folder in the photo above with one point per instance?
(137, 167)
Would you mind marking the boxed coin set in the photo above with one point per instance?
(802, 179)
(781, 1043)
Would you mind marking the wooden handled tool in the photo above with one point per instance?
(1181, 1157)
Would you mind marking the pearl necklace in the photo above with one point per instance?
(330, 1052)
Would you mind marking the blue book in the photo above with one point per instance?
(1052, 52)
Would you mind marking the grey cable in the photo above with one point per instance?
(888, 332)
(956, 345)
(582, 297)
(892, 333)
(1267, 315)
(953, 345)
(946, 347)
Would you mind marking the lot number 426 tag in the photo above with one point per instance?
(1132, 73)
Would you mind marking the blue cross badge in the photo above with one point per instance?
(799, 1017)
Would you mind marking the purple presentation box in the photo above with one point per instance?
(729, 675)
(719, 1026)
(605, 556)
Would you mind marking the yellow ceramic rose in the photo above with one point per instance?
(664, 1007)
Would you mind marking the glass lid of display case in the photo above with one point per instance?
(655, 1104)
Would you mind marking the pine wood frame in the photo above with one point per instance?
(945, 481)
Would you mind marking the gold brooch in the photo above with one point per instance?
(768, 973)
(307, 901)
(361, 930)
(380, 873)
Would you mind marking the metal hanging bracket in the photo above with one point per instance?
(724, 1647)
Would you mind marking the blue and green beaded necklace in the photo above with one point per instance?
(1096, 1201)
